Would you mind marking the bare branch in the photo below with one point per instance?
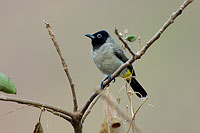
(138, 55)
(52, 35)
(89, 101)
(163, 28)
(90, 108)
(155, 37)
(92, 98)
(69, 119)
(116, 105)
(39, 105)
(133, 117)
(124, 42)
(75, 118)
(41, 111)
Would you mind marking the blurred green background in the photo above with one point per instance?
(169, 70)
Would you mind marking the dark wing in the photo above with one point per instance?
(119, 53)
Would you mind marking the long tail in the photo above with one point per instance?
(135, 85)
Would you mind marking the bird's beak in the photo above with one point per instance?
(90, 36)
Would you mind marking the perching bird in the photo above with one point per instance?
(109, 56)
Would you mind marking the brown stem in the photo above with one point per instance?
(163, 28)
(52, 35)
(124, 42)
(77, 126)
(76, 117)
(138, 55)
(39, 105)
(90, 108)
(133, 117)
(89, 101)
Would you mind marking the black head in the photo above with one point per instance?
(98, 38)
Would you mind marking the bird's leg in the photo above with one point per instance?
(103, 86)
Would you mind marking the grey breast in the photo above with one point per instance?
(105, 59)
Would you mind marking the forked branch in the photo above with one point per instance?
(139, 54)
(76, 117)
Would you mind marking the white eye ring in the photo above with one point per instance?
(99, 35)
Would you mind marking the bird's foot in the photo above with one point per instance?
(102, 85)
(114, 80)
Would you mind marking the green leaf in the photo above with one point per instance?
(6, 85)
(131, 38)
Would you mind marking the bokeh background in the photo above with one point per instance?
(169, 70)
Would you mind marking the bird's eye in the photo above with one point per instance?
(99, 35)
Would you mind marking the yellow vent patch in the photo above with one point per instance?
(127, 74)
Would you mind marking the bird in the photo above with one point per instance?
(109, 56)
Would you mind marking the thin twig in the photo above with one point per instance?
(124, 42)
(69, 116)
(93, 96)
(163, 28)
(130, 97)
(52, 35)
(37, 105)
(89, 101)
(60, 115)
(90, 108)
(42, 110)
(133, 117)
(121, 113)
(138, 55)
(10, 112)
